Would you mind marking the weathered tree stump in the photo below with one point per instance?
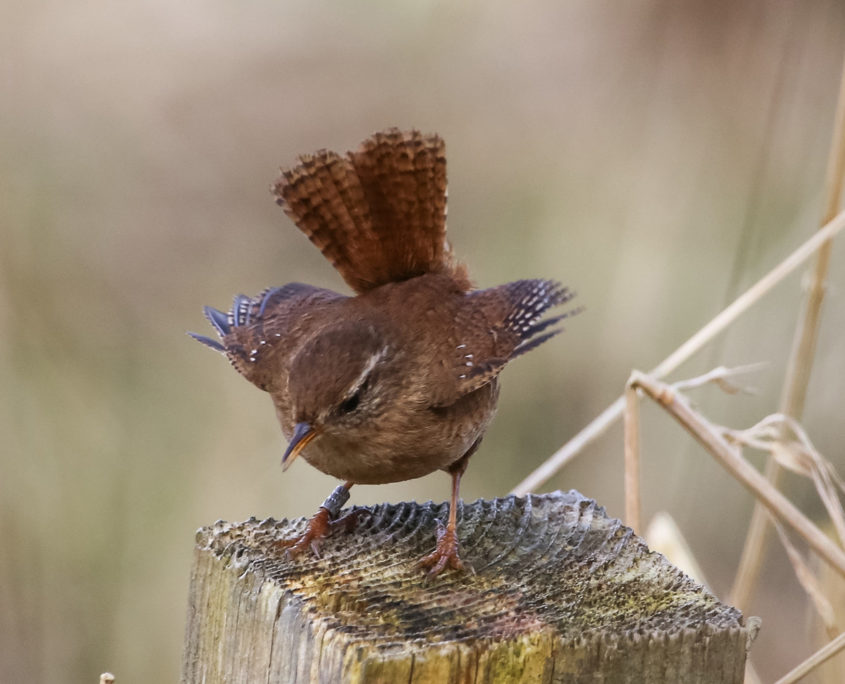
(562, 593)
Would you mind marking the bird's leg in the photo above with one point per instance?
(446, 551)
(323, 523)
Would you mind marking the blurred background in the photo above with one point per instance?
(657, 156)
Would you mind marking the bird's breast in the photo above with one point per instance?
(394, 450)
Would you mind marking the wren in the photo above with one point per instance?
(400, 379)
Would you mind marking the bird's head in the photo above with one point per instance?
(337, 384)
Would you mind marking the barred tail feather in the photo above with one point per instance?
(379, 213)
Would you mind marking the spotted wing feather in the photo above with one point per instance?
(502, 323)
(255, 328)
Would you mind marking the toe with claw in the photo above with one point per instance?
(445, 553)
(318, 528)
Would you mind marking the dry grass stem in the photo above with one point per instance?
(633, 508)
(751, 558)
(820, 656)
(722, 377)
(835, 176)
(801, 359)
(728, 315)
(798, 454)
(729, 457)
(809, 583)
(631, 419)
(790, 446)
(750, 297)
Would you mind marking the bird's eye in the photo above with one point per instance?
(351, 404)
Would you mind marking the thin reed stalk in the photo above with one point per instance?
(728, 456)
(800, 363)
(823, 654)
(747, 299)
(633, 507)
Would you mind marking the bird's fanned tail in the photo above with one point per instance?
(377, 214)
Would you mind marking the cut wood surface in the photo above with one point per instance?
(561, 593)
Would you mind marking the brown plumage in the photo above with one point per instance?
(378, 214)
(402, 379)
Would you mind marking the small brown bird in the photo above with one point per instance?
(401, 379)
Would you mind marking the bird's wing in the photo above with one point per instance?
(496, 325)
(255, 328)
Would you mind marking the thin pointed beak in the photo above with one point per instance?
(302, 434)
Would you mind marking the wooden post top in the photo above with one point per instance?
(561, 593)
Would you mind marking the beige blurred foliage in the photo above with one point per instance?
(657, 156)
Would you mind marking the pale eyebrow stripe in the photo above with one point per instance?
(368, 368)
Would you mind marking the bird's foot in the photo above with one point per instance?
(318, 528)
(445, 553)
